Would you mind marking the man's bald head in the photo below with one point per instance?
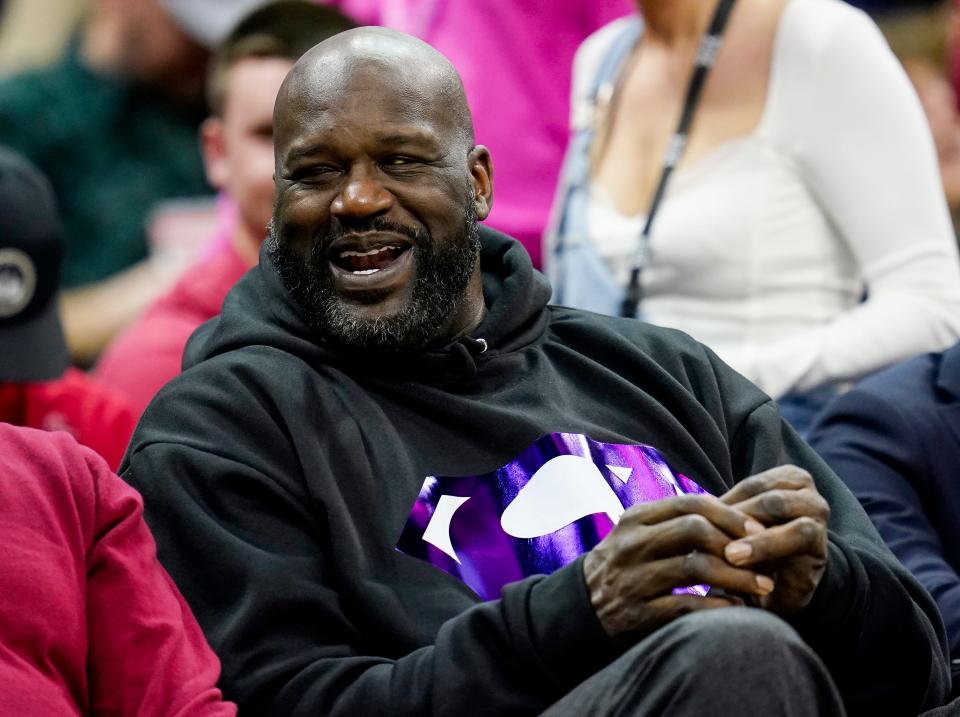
(409, 67)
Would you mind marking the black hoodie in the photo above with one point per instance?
(279, 476)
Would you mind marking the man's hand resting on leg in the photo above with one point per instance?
(663, 545)
(766, 537)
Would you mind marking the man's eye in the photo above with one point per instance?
(397, 161)
(315, 174)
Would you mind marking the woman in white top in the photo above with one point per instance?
(809, 182)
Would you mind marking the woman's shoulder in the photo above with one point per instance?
(587, 61)
(812, 26)
(823, 49)
(592, 50)
(600, 39)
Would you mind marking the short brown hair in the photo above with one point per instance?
(283, 28)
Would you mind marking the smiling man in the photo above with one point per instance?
(394, 481)
(396, 267)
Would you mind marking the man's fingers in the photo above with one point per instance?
(781, 477)
(679, 536)
(730, 520)
(802, 536)
(781, 506)
(696, 568)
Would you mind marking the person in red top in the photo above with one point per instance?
(246, 72)
(37, 386)
(90, 623)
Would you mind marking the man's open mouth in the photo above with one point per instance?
(370, 261)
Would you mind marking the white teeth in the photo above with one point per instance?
(365, 271)
(350, 252)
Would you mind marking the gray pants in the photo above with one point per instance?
(730, 661)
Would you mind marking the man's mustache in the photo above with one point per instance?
(340, 228)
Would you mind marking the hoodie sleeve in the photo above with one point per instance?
(877, 631)
(248, 554)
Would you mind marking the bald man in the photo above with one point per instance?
(393, 480)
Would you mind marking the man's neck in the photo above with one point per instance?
(469, 316)
(246, 244)
(676, 22)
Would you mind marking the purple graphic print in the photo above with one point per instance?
(554, 502)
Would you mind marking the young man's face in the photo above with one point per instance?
(239, 145)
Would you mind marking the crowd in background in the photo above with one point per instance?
(805, 229)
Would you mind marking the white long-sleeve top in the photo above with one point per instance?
(764, 248)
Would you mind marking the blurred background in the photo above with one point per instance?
(515, 57)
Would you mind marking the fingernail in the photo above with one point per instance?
(765, 584)
(752, 526)
(737, 552)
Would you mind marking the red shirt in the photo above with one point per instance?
(90, 623)
(148, 354)
(95, 415)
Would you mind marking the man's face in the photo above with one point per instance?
(374, 227)
(238, 146)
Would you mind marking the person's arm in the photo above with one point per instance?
(248, 552)
(92, 315)
(864, 147)
(876, 629)
(147, 656)
(880, 453)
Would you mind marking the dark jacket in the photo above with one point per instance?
(895, 440)
(279, 476)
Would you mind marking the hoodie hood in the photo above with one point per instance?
(258, 311)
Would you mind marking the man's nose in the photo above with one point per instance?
(363, 194)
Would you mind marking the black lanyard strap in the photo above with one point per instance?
(706, 57)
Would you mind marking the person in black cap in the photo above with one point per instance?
(38, 388)
(113, 123)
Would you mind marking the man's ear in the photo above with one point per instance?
(481, 177)
(213, 145)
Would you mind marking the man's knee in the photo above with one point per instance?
(733, 633)
(728, 660)
(725, 661)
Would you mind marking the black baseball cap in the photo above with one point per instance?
(32, 347)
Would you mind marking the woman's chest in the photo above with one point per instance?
(743, 212)
(636, 127)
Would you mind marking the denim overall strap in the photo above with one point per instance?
(578, 273)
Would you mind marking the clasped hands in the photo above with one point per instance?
(766, 537)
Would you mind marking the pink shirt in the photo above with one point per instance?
(515, 59)
(148, 353)
(75, 403)
(90, 623)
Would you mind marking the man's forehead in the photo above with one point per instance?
(362, 82)
(249, 77)
(381, 110)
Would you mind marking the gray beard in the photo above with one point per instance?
(439, 291)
